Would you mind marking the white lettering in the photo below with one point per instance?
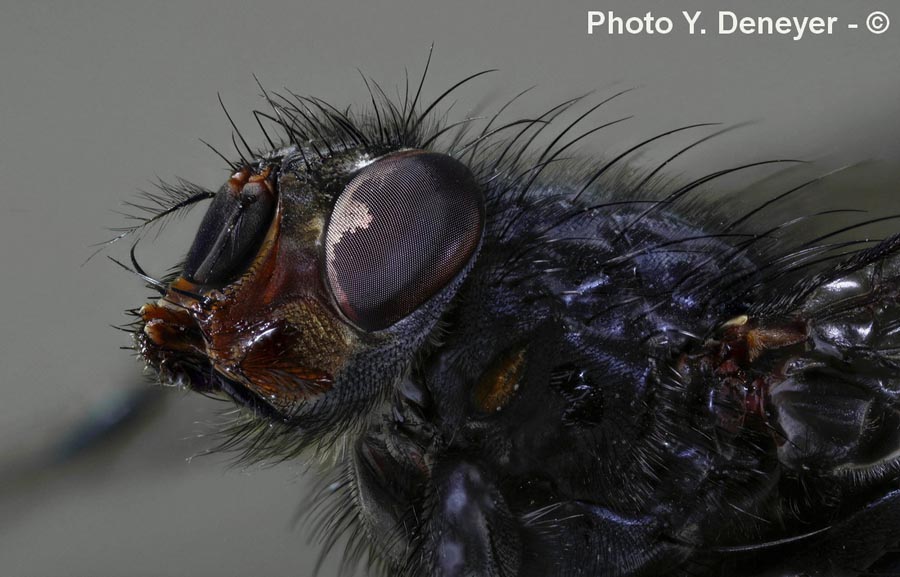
(691, 21)
(794, 26)
(723, 14)
(616, 25)
(663, 25)
(595, 19)
(634, 25)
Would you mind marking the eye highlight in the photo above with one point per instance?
(400, 231)
(232, 230)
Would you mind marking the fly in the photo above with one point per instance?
(509, 361)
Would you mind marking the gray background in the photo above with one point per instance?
(99, 99)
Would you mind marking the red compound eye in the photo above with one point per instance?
(401, 230)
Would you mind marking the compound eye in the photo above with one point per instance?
(401, 230)
(232, 230)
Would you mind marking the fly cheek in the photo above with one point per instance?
(274, 329)
(402, 229)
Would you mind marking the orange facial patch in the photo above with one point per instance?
(244, 176)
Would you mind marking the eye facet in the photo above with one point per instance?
(400, 231)
(232, 230)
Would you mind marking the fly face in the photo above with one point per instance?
(308, 285)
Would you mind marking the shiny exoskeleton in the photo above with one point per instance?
(511, 363)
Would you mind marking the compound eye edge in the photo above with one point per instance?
(232, 230)
(401, 230)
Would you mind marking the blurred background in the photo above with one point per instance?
(99, 99)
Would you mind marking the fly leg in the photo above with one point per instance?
(851, 547)
(473, 534)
